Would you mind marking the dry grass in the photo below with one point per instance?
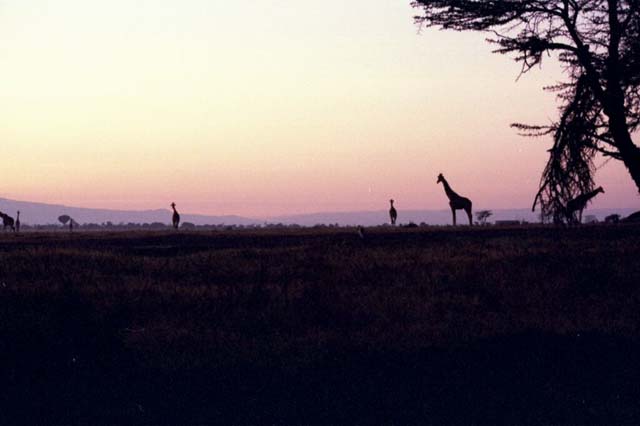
(319, 326)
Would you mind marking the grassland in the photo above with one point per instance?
(428, 325)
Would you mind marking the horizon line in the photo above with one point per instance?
(280, 216)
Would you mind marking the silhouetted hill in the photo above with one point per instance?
(42, 214)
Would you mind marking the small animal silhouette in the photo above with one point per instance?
(18, 221)
(456, 202)
(176, 216)
(393, 213)
(578, 204)
(7, 222)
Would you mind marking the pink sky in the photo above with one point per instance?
(263, 108)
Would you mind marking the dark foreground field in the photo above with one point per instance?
(526, 325)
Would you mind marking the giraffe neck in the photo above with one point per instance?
(593, 193)
(450, 192)
(589, 195)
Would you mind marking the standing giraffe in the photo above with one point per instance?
(579, 203)
(393, 213)
(456, 202)
(18, 222)
(176, 216)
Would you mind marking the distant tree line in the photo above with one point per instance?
(110, 226)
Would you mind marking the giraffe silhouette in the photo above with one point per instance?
(456, 202)
(393, 213)
(7, 222)
(18, 221)
(176, 216)
(578, 204)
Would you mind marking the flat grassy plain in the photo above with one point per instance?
(429, 325)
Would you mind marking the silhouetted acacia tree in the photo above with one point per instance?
(483, 215)
(598, 43)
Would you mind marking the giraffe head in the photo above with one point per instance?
(173, 205)
(440, 178)
(391, 201)
(600, 189)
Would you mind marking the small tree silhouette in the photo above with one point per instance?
(65, 218)
(483, 215)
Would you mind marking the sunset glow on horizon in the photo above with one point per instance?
(265, 108)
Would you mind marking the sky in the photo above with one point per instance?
(265, 107)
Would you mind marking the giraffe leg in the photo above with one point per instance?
(469, 215)
(453, 212)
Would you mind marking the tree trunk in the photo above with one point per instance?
(629, 152)
(614, 103)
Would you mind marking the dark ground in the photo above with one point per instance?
(431, 325)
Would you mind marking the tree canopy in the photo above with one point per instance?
(598, 44)
(483, 215)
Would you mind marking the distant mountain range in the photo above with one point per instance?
(43, 214)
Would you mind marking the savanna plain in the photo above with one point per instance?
(530, 324)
